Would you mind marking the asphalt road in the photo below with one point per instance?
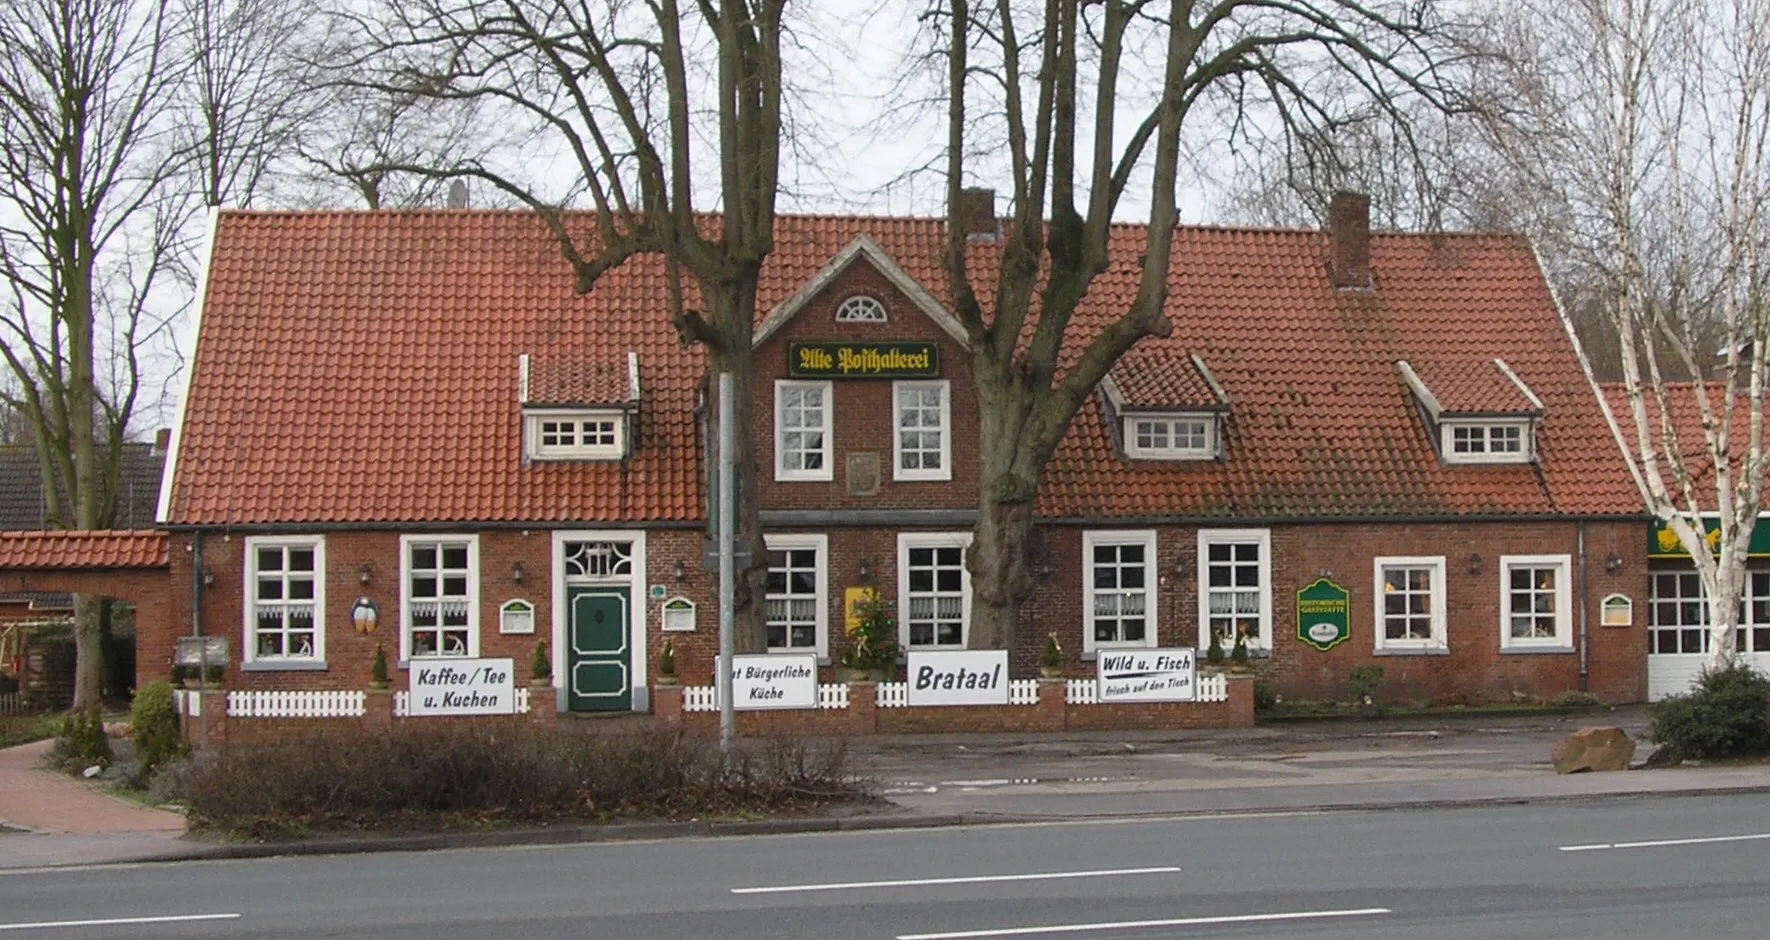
(1522, 871)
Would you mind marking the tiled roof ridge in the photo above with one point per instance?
(865, 219)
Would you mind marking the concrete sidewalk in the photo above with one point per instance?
(977, 779)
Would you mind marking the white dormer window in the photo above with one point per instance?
(1485, 441)
(861, 309)
(1170, 437)
(598, 435)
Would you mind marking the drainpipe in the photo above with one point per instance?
(1585, 603)
(197, 630)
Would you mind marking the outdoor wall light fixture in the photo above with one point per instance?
(864, 570)
(1180, 568)
(680, 571)
(516, 572)
(1475, 563)
(1613, 563)
(208, 577)
(364, 572)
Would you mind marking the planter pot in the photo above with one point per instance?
(1050, 672)
(852, 676)
(666, 681)
(378, 686)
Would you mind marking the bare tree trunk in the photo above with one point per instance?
(732, 310)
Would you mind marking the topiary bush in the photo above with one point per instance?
(153, 726)
(1728, 715)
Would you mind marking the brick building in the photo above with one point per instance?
(404, 428)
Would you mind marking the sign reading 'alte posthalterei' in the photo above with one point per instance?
(863, 360)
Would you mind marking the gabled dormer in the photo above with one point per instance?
(1478, 412)
(575, 409)
(1166, 405)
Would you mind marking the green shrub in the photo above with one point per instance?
(378, 669)
(491, 773)
(1264, 698)
(80, 741)
(1363, 682)
(541, 665)
(1573, 698)
(153, 726)
(1728, 715)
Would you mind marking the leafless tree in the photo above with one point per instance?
(1019, 76)
(626, 95)
(1651, 119)
(86, 232)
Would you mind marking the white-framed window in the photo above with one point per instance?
(1170, 437)
(439, 595)
(561, 435)
(1410, 605)
(923, 444)
(796, 604)
(861, 309)
(802, 423)
(1235, 586)
(933, 589)
(1118, 589)
(1678, 614)
(286, 609)
(1486, 441)
(1536, 602)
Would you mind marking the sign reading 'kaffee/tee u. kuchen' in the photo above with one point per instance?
(863, 360)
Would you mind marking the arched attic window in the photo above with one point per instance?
(861, 309)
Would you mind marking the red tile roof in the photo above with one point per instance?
(98, 549)
(362, 367)
(1162, 378)
(576, 382)
(1478, 387)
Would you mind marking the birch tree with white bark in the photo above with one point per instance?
(1651, 119)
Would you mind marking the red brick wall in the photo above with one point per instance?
(1475, 669)
(862, 416)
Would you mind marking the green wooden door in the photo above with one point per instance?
(601, 670)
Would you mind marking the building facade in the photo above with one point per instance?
(405, 430)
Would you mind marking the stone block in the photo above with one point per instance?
(1593, 749)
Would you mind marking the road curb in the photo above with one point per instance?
(635, 832)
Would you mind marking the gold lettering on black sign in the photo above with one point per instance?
(863, 360)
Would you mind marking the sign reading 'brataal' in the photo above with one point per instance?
(863, 360)
(969, 678)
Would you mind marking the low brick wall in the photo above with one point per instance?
(1053, 713)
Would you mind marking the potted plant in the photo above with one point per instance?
(1051, 660)
(873, 653)
(541, 667)
(215, 675)
(1238, 657)
(180, 674)
(667, 664)
(378, 672)
(1214, 652)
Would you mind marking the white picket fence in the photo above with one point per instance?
(13, 704)
(314, 704)
(1211, 688)
(187, 703)
(402, 702)
(705, 698)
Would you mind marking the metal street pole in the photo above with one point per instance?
(727, 563)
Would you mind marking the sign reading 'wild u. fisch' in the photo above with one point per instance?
(863, 360)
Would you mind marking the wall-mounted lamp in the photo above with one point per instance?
(680, 571)
(864, 570)
(1180, 568)
(1475, 563)
(1613, 563)
(1045, 565)
(516, 571)
(1327, 573)
(208, 577)
(364, 572)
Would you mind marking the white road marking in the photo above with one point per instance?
(1138, 924)
(1657, 843)
(120, 921)
(972, 879)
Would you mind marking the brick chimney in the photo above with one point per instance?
(162, 440)
(977, 214)
(1349, 239)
